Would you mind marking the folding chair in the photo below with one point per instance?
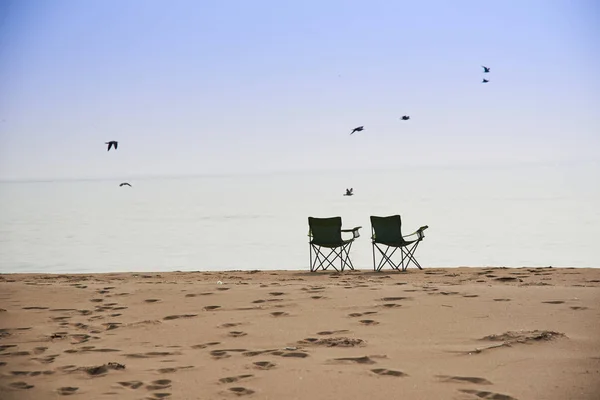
(387, 234)
(327, 233)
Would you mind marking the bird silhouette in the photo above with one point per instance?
(124, 184)
(358, 129)
(349, 192)
(111, 144)
(405, 118)
(484, 81)
(485, 69)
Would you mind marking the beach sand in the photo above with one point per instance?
(457, 333)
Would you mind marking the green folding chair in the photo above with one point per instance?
(326, 233)
(387, 236)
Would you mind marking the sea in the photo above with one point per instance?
(510, 216)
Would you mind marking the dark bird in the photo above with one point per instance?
(405, 118)
(484, 81)
(349, 192)
(485, 69)
(124, 184)
(111, 144)
(359, 129)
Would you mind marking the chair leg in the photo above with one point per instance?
(373, 246)
(385, 258)
(345, 255)
(320, 263)
(408, 255)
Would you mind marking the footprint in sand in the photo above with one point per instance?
(388, 372)
(276, 293)
(171, 317)
(463, 379)
(159, 384)
(224, 353)
(210, 308)
(553, 302)
(97, 300)
(132, 384)
(230, 325)
(35, 308)
(241, 391)
(151, 354)
(102, 369)
(172, 369)
(471, 295)
(111, 325)
(578, 308)
(279, 314)
(67, 390)
(47, 359)
(368, 322)
(391, 305)
(39, 350)
(354, 315)
(508, 279)
(31, 373)
(20, 385)
(357, 360)
(333, 342)
(253, 353)
(326, 333)
(488, 395)
(152, 300)
(237, 333)
(290, 354)
(266, 365)
(502, 300)
(232, 379)
(205, 345)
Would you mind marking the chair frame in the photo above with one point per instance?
(339, 248)
(407, 248)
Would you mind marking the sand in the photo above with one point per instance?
(459, 333)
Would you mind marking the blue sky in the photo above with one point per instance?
(211, 87)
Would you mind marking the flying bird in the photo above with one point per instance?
(349, 192)
(405, 118)
(358, 129)
(124, 184)
(484, 81)
(485, 69)
(111, 144)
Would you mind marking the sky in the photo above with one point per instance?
(226, 87)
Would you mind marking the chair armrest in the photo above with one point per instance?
(418, 232)
(354, 231)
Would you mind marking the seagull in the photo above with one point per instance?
(485, 81)
(485, 69)
(405, 118)
(124, 184)
(359, 129)
(111, 144)
(349, 192)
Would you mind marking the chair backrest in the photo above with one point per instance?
(387, 229)
(325, 230)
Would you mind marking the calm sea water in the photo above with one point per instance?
(526, 216)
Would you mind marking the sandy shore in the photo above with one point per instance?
(465, 333)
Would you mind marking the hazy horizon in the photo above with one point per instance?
(196, 88)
